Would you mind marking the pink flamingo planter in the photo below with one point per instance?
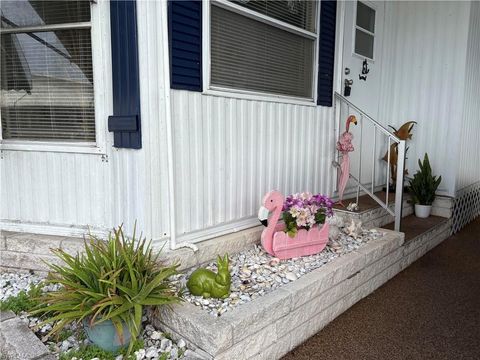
(278, 243)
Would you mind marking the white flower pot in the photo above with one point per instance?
(422, 211)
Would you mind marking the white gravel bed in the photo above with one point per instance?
(12, 283)
(256, 273)
(156, 343)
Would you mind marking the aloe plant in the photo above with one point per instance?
(112, 280)
(424, 185)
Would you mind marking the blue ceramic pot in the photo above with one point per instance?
(105, 336)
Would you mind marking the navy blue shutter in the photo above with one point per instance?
(125, 121)
(326, 58)
(185, 37)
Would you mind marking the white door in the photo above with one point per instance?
(362, 45)
(362, 57)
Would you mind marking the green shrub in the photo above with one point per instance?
(424, 185)
(23, 301)
(112, 280)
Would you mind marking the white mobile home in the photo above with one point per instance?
(180, 115)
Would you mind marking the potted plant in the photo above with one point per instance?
(423, 187)
(106, 289)
(304, 230)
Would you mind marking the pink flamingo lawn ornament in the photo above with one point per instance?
(344, 145)
(278, 243)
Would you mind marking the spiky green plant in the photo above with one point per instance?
(424, 185)
(111, 280)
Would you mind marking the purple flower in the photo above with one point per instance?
(301, 209)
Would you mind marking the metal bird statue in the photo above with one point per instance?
(403, 133)
(344, 146)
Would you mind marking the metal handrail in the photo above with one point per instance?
(397, 213)
(376, 123)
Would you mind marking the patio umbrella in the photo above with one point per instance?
(344, 146)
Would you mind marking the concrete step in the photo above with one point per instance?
(422, 235)
(371, 214)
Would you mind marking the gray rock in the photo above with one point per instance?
(165, 344)
(18, 342)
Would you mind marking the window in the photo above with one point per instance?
(264, 46)
(46, 71)
(365, 30)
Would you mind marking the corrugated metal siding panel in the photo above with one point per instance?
(54, 188)
(153, 71)
(423, 79)
(468, 160)
(229, 152)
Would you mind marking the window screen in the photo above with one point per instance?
(46, 71)
(248, 54)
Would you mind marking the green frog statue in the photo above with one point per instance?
(206, 283)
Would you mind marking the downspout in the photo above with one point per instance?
(169, 126)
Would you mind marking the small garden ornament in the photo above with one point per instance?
(304, 231)
(344, 146)
(403, 133)
(206, 283)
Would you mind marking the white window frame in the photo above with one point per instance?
(102, 90)
(215, 90)
(356, 27)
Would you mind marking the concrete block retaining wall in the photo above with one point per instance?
(29, 251)
(270, 326)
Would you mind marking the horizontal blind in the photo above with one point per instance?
(23, 13)
(251, 55)
(297, 13)
(47, 84)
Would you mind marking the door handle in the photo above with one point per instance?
(348, 87)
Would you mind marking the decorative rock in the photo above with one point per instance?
(151, 353)
(275, 261)
(181, 343)
(334, 232)
(354, 229)
(156, 335)
(165, 344)
(291, 276)
(352, 207)
(255, 273)
(140, 354)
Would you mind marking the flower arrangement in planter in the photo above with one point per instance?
(423, 187)
(304, 210)
(106, 288)
(300, 234)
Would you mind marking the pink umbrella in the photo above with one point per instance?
(344, 145)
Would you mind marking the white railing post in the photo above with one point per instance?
(391, 140)
(399, 184)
